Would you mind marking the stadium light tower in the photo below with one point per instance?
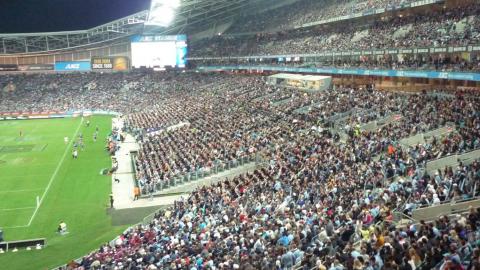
(162, 12)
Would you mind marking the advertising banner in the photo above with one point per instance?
(52, 114)
(8, 67)
(35, 67)
(73, 66)
(464, 76)
(119, 63)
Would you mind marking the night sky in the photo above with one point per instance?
(24, 16)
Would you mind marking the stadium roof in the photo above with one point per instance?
(191, 15)
(56, 41)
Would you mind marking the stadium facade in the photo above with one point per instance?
(212, 24)
(207, 19)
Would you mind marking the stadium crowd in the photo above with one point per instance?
(319, 200)
(452, 27)
(327, 191)
(36, 93)
(308, 11)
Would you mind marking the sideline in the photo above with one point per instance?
(72, 139)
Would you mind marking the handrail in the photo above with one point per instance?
(449, 202)
(404, 215)
(133, 155)
(202, 173)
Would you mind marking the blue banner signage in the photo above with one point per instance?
(463, 76)
(73, 66)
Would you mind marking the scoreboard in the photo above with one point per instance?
(159, 51)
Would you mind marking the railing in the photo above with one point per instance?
(218, 167)
(397, 216)
(452, 207)
(449, 202)
(133, 156)
(465, 157)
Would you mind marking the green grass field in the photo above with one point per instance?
(40, 164)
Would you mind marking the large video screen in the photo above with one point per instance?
(159, 51)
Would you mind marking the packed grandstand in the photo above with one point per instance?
(329, 190)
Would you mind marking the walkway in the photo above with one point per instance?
(123, 191)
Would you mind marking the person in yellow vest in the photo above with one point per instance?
(357, 131)
(136, 193)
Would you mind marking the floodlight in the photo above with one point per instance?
(162, 12)
(174, 3)
(161, 17)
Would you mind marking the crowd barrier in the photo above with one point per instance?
(452, 160)
(446, 208)
(218, 167)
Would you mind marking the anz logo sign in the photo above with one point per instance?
(443, 75)
(72, 66)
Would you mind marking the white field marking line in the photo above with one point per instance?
(55, 172)
(14, 227)
(20, 208)
(19, 190)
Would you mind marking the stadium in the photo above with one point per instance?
(241, 134)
